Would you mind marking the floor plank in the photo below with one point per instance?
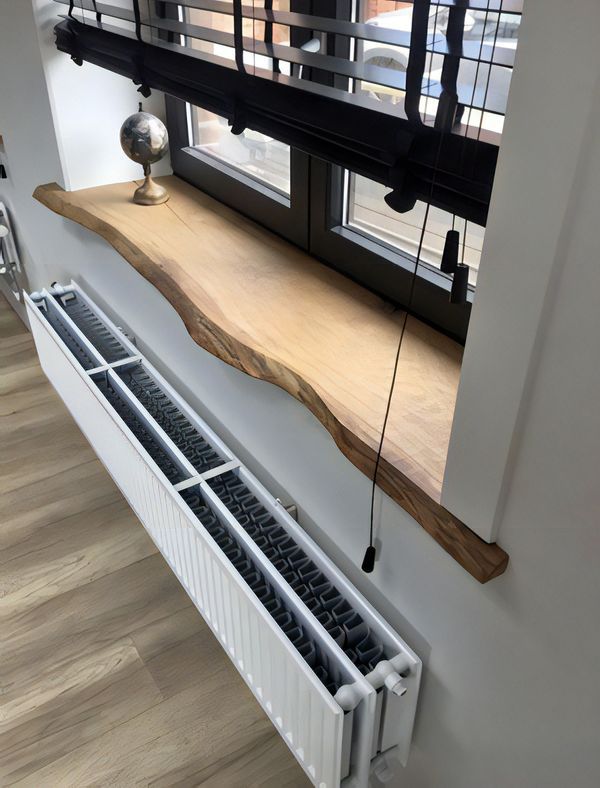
(73, 491)
(69, 554)
(88, 712)
(108, 674)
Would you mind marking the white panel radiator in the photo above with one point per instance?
(336, 681)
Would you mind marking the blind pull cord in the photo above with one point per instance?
(459, 271)
(368, 563)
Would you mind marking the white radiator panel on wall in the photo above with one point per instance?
(337, 682)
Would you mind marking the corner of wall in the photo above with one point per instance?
(88, 106)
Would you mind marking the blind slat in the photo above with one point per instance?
(471, 50)
(492, 101)
(505, 6)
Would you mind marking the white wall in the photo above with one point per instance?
(557, 65)
(88, 106)
(58, 123)
(511, 694)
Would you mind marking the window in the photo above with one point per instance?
(348, 117)
(487, 36)
(351, 226)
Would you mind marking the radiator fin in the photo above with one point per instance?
(109, 345)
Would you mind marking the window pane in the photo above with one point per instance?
(485, 69)
(385, 14)
(484, 74)
(251, 29)
(254, 154)
(367, 212)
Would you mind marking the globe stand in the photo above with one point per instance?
(150, 192)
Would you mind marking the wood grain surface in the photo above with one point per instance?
(108, 674)
(269, 309)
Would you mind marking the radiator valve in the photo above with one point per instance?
(388, 673)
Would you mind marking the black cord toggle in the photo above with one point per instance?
(368, 563)
(460, 284)
(449, 262)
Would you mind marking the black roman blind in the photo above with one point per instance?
(407, 97)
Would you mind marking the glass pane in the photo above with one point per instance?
(263, 158)
(251, 29)
(391, 16)
(368, 212)
(485, 70)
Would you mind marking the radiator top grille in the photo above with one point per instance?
(318, 593)
(92, 327)
(271, 600)
(177, 426)
(173, 473)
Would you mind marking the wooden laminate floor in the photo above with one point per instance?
(108, 674)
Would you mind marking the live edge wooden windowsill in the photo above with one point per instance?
(271, 310)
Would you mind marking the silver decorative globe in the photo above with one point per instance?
(145, 140)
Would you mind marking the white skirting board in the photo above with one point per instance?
(335, 679)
